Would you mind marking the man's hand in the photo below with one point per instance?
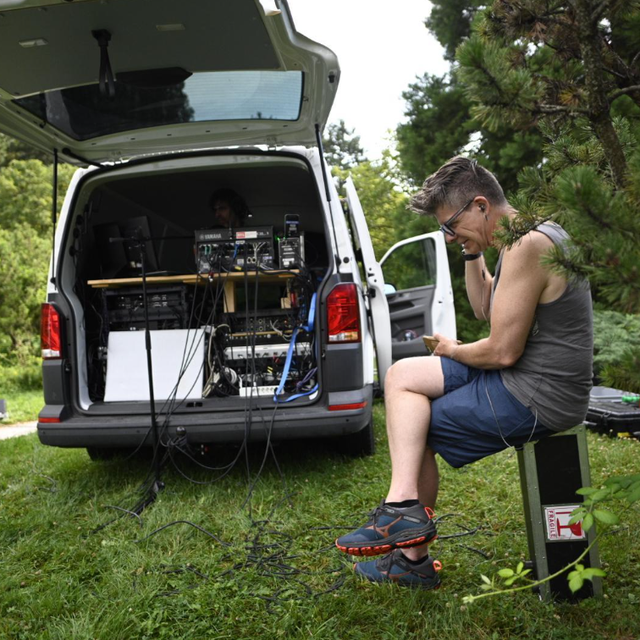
(446, 346)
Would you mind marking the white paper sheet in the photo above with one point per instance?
(127, 377)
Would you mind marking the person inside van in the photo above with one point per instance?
(530, 378)
(229, 208)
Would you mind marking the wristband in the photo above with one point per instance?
(468, 257)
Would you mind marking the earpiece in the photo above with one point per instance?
(482, 209)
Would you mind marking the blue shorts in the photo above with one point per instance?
(478, 416)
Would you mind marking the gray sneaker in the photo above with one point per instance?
(390, 528)
(395, 568)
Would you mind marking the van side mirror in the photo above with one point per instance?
(389, 289)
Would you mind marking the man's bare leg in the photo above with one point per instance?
(427, 494)
(409, 385)
(429, 480)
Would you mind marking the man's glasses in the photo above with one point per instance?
(445, 227)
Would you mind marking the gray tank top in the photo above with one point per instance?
(553, 377)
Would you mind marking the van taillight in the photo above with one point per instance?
(343, 314)
(50, 333)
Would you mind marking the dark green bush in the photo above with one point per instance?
(27, 377)
(615, 334)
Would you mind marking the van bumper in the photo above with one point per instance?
(289, 422)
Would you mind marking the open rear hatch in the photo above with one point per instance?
(106, 81)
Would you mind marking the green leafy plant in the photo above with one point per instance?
(623, 489)
(24, 377)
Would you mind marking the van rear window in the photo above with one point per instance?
(84, 113)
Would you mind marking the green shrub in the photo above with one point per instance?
(27, 377)
(615, 334)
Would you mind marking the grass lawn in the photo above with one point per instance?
(279, 576)
(23, 406)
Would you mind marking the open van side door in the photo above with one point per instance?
(419, 293)
(378, 308)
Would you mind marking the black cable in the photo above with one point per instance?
(250, 377)
(227, 468)
(131, 513)
(170, 406)
(191, 524)
(264, 459)
(53, 488)
(248, 413)
(276, 565)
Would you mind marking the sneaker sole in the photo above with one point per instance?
(368, 549)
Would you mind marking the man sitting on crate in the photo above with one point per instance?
(531, 377)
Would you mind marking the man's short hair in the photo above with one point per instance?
(454, 183)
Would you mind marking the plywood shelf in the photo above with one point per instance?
(227, 279)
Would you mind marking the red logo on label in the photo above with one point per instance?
(558, 524)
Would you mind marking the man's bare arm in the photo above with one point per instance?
(522, 281)
(478, 282)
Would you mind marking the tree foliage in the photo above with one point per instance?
(546, 95)
(12, 149)
(614, 333)
(450, 22)
(384, 201)
(570, 70)
(440, 122)
(22, 289)
(342, 147)
(438, 125)
(25, 248)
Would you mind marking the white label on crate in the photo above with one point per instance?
(557, 522)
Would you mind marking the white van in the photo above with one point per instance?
(270, 329)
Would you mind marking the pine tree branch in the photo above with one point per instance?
(613, 72)
(493, 81)
(557, 108)
(621, 92)
(599, 113)
(596, 218)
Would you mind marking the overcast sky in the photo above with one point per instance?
(381, 46)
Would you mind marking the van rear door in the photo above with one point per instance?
(419, 293)
(377, 307)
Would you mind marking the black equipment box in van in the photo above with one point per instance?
(234, 249)
(124, 308)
